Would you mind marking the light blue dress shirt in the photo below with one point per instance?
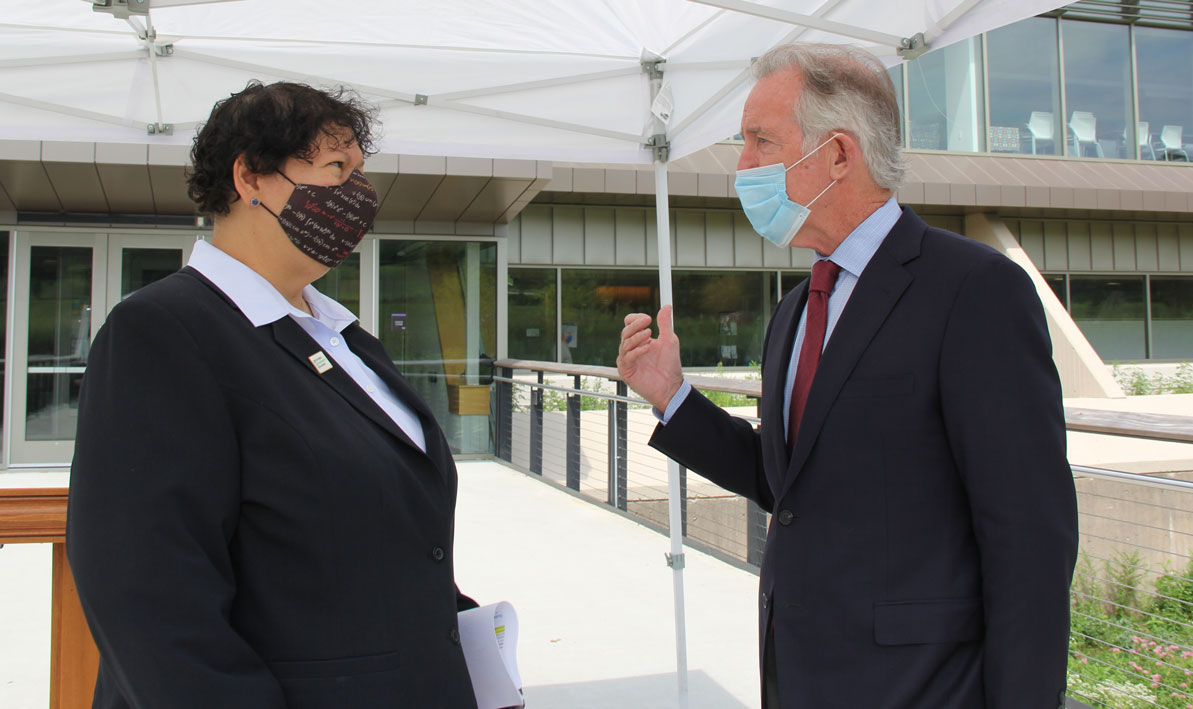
(262, 304)
(852, 255)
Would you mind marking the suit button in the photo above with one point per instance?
(785, 517)
(437, 554)
(454, 636)
(764, 601)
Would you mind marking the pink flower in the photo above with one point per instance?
(1085, 661)
(1115, 649)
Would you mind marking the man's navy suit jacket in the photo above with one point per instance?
(924, 530)
(248, 532)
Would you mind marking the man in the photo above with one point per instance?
(912, 446)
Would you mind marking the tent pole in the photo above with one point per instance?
(675, 559)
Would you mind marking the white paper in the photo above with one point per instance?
(489, 636)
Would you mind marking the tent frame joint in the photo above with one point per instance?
(675, 561)
(653, 68)
(913, 46)
(659, 146)
(420, 99)
(160, 129)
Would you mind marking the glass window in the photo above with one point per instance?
(594, 304)
(1056, 282)
(437, 313)
(1098, 90)
(140, 267)
(723, 317)
(342, 284)
(1164, 64)
(59, 339)
(1024, 88)
(1110, 311)
(3, 322)
(1172, 318)
(532, 314)
(791, 279)
(944, 103)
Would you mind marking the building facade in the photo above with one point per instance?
(1060, 139)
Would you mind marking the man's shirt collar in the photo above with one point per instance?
(855, 252)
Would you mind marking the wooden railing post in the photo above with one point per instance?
(38, 515)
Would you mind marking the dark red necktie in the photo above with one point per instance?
(824, 277)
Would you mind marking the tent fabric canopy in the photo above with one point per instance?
(539, 80)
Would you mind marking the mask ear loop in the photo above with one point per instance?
(264, 206)
(812, 152)
(821, 193)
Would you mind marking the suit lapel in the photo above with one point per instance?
(875, 295)
(786, 321)
(298, 343)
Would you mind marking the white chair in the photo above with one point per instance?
(1171, 137)
(1041, 127)
(1144, 135)
(1085, 130)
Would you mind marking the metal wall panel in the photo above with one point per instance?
(747, 244)
(600, 242)
(1124, 246)
(1186, 231)
(1101, 247)
(1146, 252)
(1031, 238)
(567, 235)
(1168, 247)
(718, 239)
(536, 236)
(1056, 247)
(513, 240)
(689, 239)
(1079, 246)
(775, 257)
(630, 230)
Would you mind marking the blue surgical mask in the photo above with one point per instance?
(763, 195)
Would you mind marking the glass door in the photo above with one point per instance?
(136, 260)
(58, 304)
(65, 285)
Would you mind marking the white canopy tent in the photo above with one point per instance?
(565, 80)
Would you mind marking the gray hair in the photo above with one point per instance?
(849, 90)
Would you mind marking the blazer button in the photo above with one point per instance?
(437, 554)
(785, 517)
(454, 636)
(764, 601)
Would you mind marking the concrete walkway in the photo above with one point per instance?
(592, 591)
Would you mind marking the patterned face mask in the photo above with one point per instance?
(326, 223)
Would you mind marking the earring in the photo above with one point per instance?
(254, 201)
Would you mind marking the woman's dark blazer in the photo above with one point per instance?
(247, 532)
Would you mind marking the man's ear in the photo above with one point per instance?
(844, 154)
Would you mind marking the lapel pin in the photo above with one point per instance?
(320, 362)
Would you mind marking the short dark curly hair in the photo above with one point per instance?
(268, 124)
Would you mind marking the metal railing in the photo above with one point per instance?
(577, 427)
(1132, 595)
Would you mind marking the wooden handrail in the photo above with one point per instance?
(33, 515)
(38, 515)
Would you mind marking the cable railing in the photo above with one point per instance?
(1131, 643)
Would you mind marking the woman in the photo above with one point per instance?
(261, 508)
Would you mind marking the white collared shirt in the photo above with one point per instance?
(262, 304)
